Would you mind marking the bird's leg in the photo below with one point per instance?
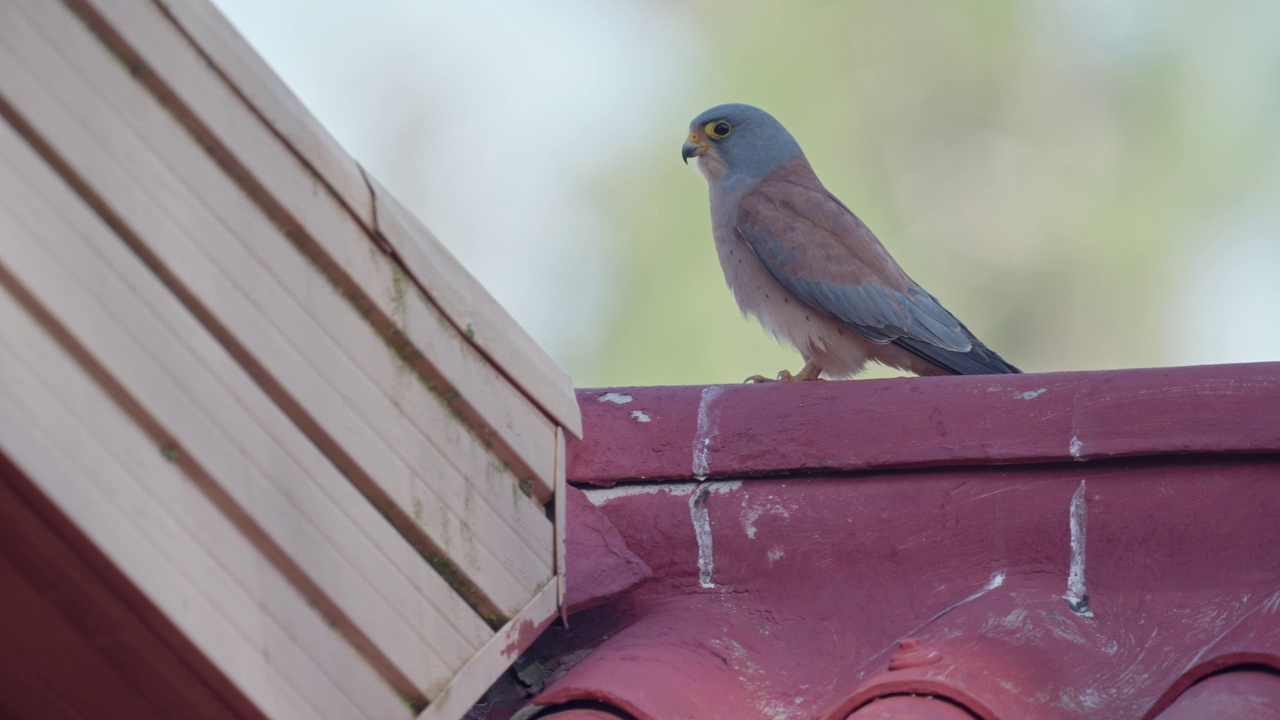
(810, 371)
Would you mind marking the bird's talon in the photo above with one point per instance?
(757, 379)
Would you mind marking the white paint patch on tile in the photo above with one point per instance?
(698, 513)
(708, 420)
(601, 496)
(1271, 604)
(724, 486)
(774, 709)
(640, 416)
(776, 553)
(1029, 395)
(1077, 597)
(1014, 620)
(997, 579)
(769, 505)
(615, 398)
(1074, 447)
(702, 531)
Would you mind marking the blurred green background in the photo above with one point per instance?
(1086, 184)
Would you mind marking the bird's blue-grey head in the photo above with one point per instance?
(737, 142)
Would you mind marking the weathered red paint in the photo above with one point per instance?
(910, 707)
(601, 566)
(1251, 694)
(787, 428)
(522, 636)
(817, 579)
(913, 654)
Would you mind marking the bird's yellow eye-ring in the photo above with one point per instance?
(718, 129)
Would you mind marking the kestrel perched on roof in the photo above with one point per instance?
(803, 264)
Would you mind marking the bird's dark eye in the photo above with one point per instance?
(719, 129)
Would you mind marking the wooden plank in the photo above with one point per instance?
(562, 524)
(135, 162)
(496, 656)
(463, 300)
(265, 504)
(367, 579)
(249, 76)
(178, 162)
(521, 435)
(859, 425)
(101, 469)
(340, 356)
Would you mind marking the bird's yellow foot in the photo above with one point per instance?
(811, 371)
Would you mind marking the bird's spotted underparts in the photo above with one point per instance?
(803, 264)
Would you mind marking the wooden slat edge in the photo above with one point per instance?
(512, 600)
(473, 311)
(293, 197)
(101, 256)
(42, 444)
(561, 524)
(470, 307)
(343, 601)
(470, 682)
(231, 56)
(235, 238)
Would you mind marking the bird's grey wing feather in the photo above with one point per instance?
(826, 256)
(822, 253)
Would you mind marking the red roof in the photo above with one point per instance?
(1075, 545)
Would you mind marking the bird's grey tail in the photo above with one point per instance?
(979, 360)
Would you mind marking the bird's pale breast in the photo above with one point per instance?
(816, 335)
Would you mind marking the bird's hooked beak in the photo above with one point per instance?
(693, 147)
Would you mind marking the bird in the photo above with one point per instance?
(815, 276)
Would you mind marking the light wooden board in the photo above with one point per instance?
(371, 584)
(471, 308)
(254, 81)
(495, 657)
(192, 240)
(144, 513)
(299, 202)
(226, 212)
(457, 293)
(561, 519)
